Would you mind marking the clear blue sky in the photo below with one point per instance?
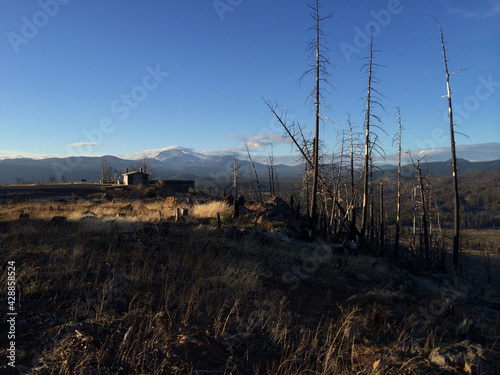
(131, 75)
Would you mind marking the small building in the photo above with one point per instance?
(135, 178)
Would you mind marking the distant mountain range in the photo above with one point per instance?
(172, 163)
(183, 163)
(442, 168)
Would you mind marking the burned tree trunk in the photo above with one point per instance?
(456, 221)
(364, 215)
(255, 172)
(398, 206)
(424, 233)
(313, 213)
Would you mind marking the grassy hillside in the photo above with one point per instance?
(110, 288)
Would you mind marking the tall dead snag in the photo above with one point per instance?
(456, 221)
(424, 232)
(371, 95)
(351, 151)
(316, 138)
(398, 205)
(364, 215)
(319, 68)
(254, 170)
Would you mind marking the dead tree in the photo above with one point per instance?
(254, 170)
(369, 115)
(273, 177)
(398, 205)
(424, 232)
(106, 173)
(292, 132)
(333, 220)
(352, 158)
(145, 166)
(456, 221)
(364, 214)
(319, 64)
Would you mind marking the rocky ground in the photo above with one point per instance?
(118, 288)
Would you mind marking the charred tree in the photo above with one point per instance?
(424, 232)
(398, 204)
(364, 214)
(456, 219)
(319, 67)
(255, 172)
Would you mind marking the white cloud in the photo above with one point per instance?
(472, 152)
(259, 142)
(84, 144)
(491, 11)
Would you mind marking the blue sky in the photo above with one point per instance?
(119, 77)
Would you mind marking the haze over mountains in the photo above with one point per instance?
(179, 163)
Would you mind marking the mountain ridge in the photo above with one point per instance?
(173, 162)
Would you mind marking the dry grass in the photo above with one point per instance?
(188, 300)
(210, 210)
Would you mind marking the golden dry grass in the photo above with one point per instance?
(210, 210)
(189, 300)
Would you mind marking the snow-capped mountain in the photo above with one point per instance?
(180, 154)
